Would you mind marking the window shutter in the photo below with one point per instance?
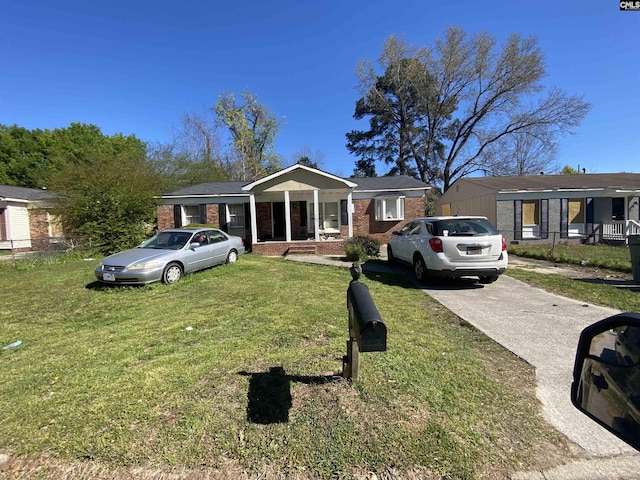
(344, 218)
(564, 218)
(222, 217)
(589, 216)
(177, 216)
(517, 219)
(203, 213)
(544, 218)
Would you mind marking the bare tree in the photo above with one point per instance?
(194, 155)
(465, 97)
(522, 153)
(305, 155)
(253, 129)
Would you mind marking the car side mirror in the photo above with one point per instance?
(194, 244)
(606, 375)
(395, 232)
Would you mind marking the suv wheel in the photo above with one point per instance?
(488, 279)
(419, 268)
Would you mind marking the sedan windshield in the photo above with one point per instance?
(167, 241)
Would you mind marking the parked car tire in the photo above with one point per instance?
(172, 273)
(488, 279)
(419, 268)
(390, 258)
(232, 257)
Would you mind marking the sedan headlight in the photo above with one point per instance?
(143, 266)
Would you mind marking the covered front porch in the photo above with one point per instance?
(300, 206)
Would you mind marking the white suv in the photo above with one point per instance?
(450, 247)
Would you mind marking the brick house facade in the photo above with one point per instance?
(26, 223)
(276, 214)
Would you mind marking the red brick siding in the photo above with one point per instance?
(165, 217)
(365, 223)
(39, 229)
(328, 247)
(263, 214)
(213, 214)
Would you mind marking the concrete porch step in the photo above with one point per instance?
(302, 250)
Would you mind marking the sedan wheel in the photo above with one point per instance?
(172, 274)
(232, 257)
(419, 268)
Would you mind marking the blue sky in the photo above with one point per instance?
(138, 66)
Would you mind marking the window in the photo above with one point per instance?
(191, 214)
(576, 210)
(617, 208)
(328, 218)
(390, 208)
(55, 226)
(530, 212)
(236, 215)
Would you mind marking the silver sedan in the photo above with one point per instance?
(169, 255)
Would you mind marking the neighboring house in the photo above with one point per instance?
(298, 209)
(588, 207)
(25, 221)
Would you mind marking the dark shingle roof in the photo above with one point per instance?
(545, 182)
(29, 194)
(211, 188)
(400, 182)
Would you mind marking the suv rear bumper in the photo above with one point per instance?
(466, 272)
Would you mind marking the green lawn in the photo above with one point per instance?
(600, 256)
(109, 383)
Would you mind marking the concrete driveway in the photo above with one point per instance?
(543, 329)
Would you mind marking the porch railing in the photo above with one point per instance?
(620, 229)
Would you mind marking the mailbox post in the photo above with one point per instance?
(367, 331)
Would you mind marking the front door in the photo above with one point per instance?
(278, 220)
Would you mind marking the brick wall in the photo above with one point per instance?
(365, 223)
(165, 217)
(263, 213)
(328, 247)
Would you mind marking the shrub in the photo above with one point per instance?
(363, 246)
(354, 253)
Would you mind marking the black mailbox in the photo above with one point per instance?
(365, 322)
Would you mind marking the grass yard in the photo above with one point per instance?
(109, 383)
(599, 256)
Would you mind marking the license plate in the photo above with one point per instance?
(474, 250)
(109, 277)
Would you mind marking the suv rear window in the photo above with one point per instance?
(465, 227)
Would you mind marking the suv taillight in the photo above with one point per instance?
(436, 244)
(504, 245)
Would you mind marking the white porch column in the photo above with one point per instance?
(316, 220)
(350, 212)
(254, 220)
(287, 215)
